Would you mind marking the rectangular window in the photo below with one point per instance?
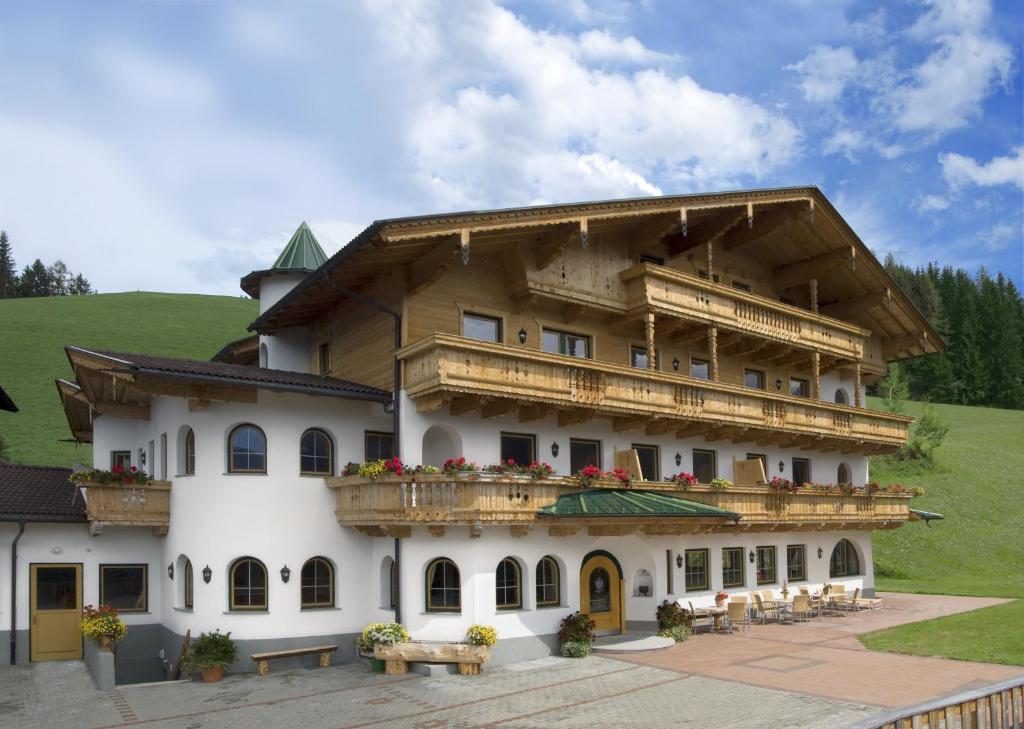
(649, 461)
(796, 562)
(638, 357)
(761, 457)
(379, 446)
(741, 286)
(573, 345)
(700, 368)
(484, 328)
(669, 587)
(583, 453)
(123, 586)
(754, 379)
(646, 258)
(765, 565)
(799, 387)
(801, 470)
(163, 456)
(189, 586)
(732, 567)
(519, 447)
(705, 467)
(324, 358)
(696, 562)
(121, 458)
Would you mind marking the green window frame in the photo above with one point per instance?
(733, 572)
(549, 582)
(796, 562)
(247, 449)
(695, 563)
(316, 453)
(125, 587)
(443, 587)
(481, 327)
(572, 345)
(189, 586)
(508, 583)
(317, 583)
(247, 585)
(766, 574)
(378, 445)
(844, 562)
(190, 453)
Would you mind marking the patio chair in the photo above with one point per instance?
(763, 609)
(814, 603)
(738, 615)
(866, 603)
(801, 610)
(837, 598)
(769, 600)
(701, 620)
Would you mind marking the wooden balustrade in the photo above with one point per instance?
(147, 505)
(391, 505)
(996, 706)
(665, 291)
(443, 366)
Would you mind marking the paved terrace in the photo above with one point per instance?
(786, 676)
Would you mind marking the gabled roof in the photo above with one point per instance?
(301, 254)
(244, 351)
(629, 503)
(6, 403)
(822, 235)
(39, 493)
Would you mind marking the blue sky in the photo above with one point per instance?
(175, 146)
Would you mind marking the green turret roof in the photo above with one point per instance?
(302, 253)
(629, 502)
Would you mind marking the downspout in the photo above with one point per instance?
(14, 591)
(395, 420)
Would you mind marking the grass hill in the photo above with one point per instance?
(33, 333)
(977, 550)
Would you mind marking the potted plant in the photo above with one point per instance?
(102, 625)
(538, 470)
(576, 635)
(376, 634)
(785, 589)
(684, 480)
(621, 475)
(721, 483)
(670, 616)
(212, 653)
(131, 476)
(455, 466)
(588, 475)
(720, 598)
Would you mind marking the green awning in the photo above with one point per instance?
(630, 502)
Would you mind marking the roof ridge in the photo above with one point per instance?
(36, 467)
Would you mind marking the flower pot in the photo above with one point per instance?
(377, 665)
(104, 643)
(719, 603)
(213, 674)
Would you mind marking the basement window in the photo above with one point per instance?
(123, 586)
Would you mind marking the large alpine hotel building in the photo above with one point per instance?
(729, 336)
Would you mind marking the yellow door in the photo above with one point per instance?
(600, 592)
(55, 611)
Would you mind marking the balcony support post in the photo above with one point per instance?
(814, 295)
(856, 386)
(816, 383)
(710, 259)
(713, 350)
(649, 331)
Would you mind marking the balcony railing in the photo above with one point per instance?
(145, 505)
(443, 366)
(672, 293)
(391, 505)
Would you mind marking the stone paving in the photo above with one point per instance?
(550, 692)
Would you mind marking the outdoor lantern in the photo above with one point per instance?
(207, 574)
(675, 363)
(778, 383)
(821, 552)
(679, 560)
(170, 570)
(752, 556)
(285, 573)
(679, 459)
(782, 466)
(522, 336)
(554, 449)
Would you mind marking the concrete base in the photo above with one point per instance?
(622, 644)
(434, 670)
(102, 666)
(514, 650)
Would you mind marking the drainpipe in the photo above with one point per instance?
(14, 591)
(395, 397)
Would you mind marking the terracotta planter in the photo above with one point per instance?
(719, 603)
(104, 643)
(213, 674)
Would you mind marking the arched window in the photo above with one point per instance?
(316, 453)
(317, 583)
(444, 589)
(844, 562)
(188, 601)
(248, 584)
(190, 453)
(548, 582)
(508, 579)
(248, 450)
(843, 474)
(388, 584)
(264, 359)
(841, 397)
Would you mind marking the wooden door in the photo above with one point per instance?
(55, 611)
(600, 594)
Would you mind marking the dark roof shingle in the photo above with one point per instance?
(39, 493)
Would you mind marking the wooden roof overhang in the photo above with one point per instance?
(77, 409)
(796, 227)
(6, 403)
(244, 351)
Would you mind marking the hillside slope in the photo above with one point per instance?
(34, 332)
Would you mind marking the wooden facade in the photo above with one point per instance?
(146, 505)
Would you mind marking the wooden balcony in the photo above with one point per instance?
(391, 506)
(142, 505)
(448, 370)
(672, 294)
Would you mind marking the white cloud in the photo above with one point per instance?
(826, 71)
(959, 170)
(1002, 236)
(928, 203)
(152, 84)
(600, 46)
(846, 142)
(951, 16)
(530, 117)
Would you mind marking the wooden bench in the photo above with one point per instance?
(263, 659)
(470, 658)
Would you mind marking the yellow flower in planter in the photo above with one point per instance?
(482, 635)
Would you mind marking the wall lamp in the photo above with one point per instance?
(752, 556)
(522, 336)
(821, 552)
(554, 449)
(679, 459)
(679, 560)
(285, 574)
(782, 466)
(170, 570)
(207, 574)
(778, 383)
(675, 364)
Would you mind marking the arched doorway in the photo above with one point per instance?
(601, 593)
(440, 444)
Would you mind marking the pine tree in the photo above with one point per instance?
(8, 270)
(80, 286)
(34, 281)
(60, 278)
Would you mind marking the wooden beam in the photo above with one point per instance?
(463, 405)
(801, 272)
(765, 223)
(429, 268)
(894, 345)
(563, 531)
(856, 305)
(622, 425)
(530, 413)
(660, 426)
(568, 418)
(123, 410)
(430, 403)
(711, 227)
(500, 406)
(651, 234)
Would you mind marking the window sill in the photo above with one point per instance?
(442, 613)
(551, 607)
(260, 611)
(318, 608)
(122, 611)
(316, 475)
(506, 611)
(183, 609)
(243, 473)
(184, 475)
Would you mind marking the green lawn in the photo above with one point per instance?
(33, 333)
(977, 550)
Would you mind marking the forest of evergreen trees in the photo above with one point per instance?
(981, 320)
(37, 279)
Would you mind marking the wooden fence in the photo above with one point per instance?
(997, 706)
